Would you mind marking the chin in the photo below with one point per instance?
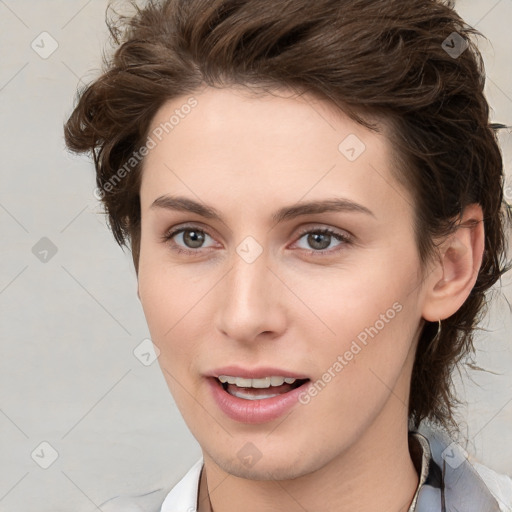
(286, 465)
(270, 470)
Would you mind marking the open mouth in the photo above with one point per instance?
(258, 389)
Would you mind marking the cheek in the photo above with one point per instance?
(363, 324)
(166, 317)
(164, 293)
(341, 303)
(161, 308)
(357, 368)
(174, 306)
(155, 302)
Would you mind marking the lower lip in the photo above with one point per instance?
(254, 411)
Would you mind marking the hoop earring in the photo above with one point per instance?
(435, 339)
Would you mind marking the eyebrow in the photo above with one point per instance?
(181, 203)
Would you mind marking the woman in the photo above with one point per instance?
(312, 193)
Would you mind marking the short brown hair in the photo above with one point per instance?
(412, 64)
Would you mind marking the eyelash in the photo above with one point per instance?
(323, 252)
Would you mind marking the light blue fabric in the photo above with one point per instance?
(465, 489)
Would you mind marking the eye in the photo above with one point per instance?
(321, 239)
(192, 237)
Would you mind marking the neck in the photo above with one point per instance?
(375, 473)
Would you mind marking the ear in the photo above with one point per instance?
(454, 275)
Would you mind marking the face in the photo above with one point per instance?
(298, 261)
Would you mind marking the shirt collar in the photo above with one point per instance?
(421, 457)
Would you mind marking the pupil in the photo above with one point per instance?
(193, 238)
(313, 240)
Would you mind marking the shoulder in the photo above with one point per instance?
(498, 484)
(180, 498)
(147, 502)
(466, 480)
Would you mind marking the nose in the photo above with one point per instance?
(251, 306)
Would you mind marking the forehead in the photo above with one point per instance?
(264, 146)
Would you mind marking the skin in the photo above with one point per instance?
(248, 156)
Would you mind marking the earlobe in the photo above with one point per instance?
(460, 260)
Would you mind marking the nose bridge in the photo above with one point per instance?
(249, 301)
(250, 271)
(248, 282)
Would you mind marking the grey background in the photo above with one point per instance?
(69, 325)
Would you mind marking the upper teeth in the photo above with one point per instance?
(256, 383)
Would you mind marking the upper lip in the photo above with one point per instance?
(255, 373)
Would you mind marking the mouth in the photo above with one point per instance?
(258, 388)
(256, 395)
